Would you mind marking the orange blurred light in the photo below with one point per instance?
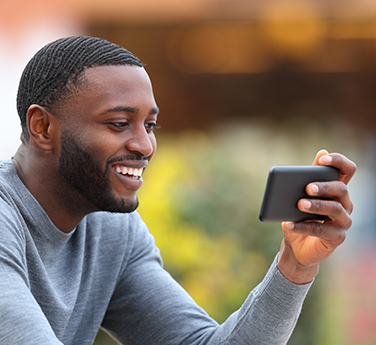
(292, 28)
(218, 47)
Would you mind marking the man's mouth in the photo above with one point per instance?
(134, 173)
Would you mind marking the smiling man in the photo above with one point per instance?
(74, 253)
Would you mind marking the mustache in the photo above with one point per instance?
(127, 157)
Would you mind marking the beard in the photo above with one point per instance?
(79, 168)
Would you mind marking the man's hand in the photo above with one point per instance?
(306, 244)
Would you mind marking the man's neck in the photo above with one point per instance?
(63, 205)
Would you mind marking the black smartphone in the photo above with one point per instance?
(286, 185)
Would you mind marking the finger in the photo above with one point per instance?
(328, 233)
(332, 209)
(335, 190)
(319, 154)
(347, 168)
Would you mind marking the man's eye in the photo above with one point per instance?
(119, 125)
(151, 126)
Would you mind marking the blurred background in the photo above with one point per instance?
(242, 85)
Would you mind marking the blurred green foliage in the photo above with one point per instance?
(201, 198)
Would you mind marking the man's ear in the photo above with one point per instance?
(40, 123)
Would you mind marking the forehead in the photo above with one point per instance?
(115, 84)
(127, 77)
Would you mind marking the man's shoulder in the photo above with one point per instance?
(8, 174)
(6, 178)
(10, 213)
(12, 191)
(6, 164)
(6, 169)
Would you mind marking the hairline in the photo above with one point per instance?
(79, 82)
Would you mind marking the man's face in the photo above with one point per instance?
(107, 137)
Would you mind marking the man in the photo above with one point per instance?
(74, 253)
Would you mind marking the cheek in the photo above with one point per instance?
(98, 140)
(98, 148)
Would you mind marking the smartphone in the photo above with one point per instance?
(286, 185)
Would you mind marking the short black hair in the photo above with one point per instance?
(55, 70)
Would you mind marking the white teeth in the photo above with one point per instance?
(124, 170)
(129, 171)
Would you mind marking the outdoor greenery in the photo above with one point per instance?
(201, 198)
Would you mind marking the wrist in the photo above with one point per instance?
(292, 269)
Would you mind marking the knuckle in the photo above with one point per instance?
(318, 228)
(323, 187)
(342, 188)
(341, 236)
(337, 209)
(317, 205)
(349, 223)
(351, 208)
(333, 189)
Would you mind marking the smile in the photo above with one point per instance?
(135, 173)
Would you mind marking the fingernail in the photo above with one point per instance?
(307, 204)
(314, 188)
(326, 159)
(289, 225)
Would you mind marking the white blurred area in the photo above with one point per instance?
(18, 44)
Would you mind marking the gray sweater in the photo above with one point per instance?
(58, 288)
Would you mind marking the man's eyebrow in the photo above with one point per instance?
(119, 109)
(132, 110)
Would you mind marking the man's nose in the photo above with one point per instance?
(140, 142)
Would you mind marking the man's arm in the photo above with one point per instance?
(306, 244)
(149, 307)
(268, 316)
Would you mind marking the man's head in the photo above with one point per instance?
(55, 71)
(88, 113)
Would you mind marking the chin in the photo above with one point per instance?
(108, 202)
